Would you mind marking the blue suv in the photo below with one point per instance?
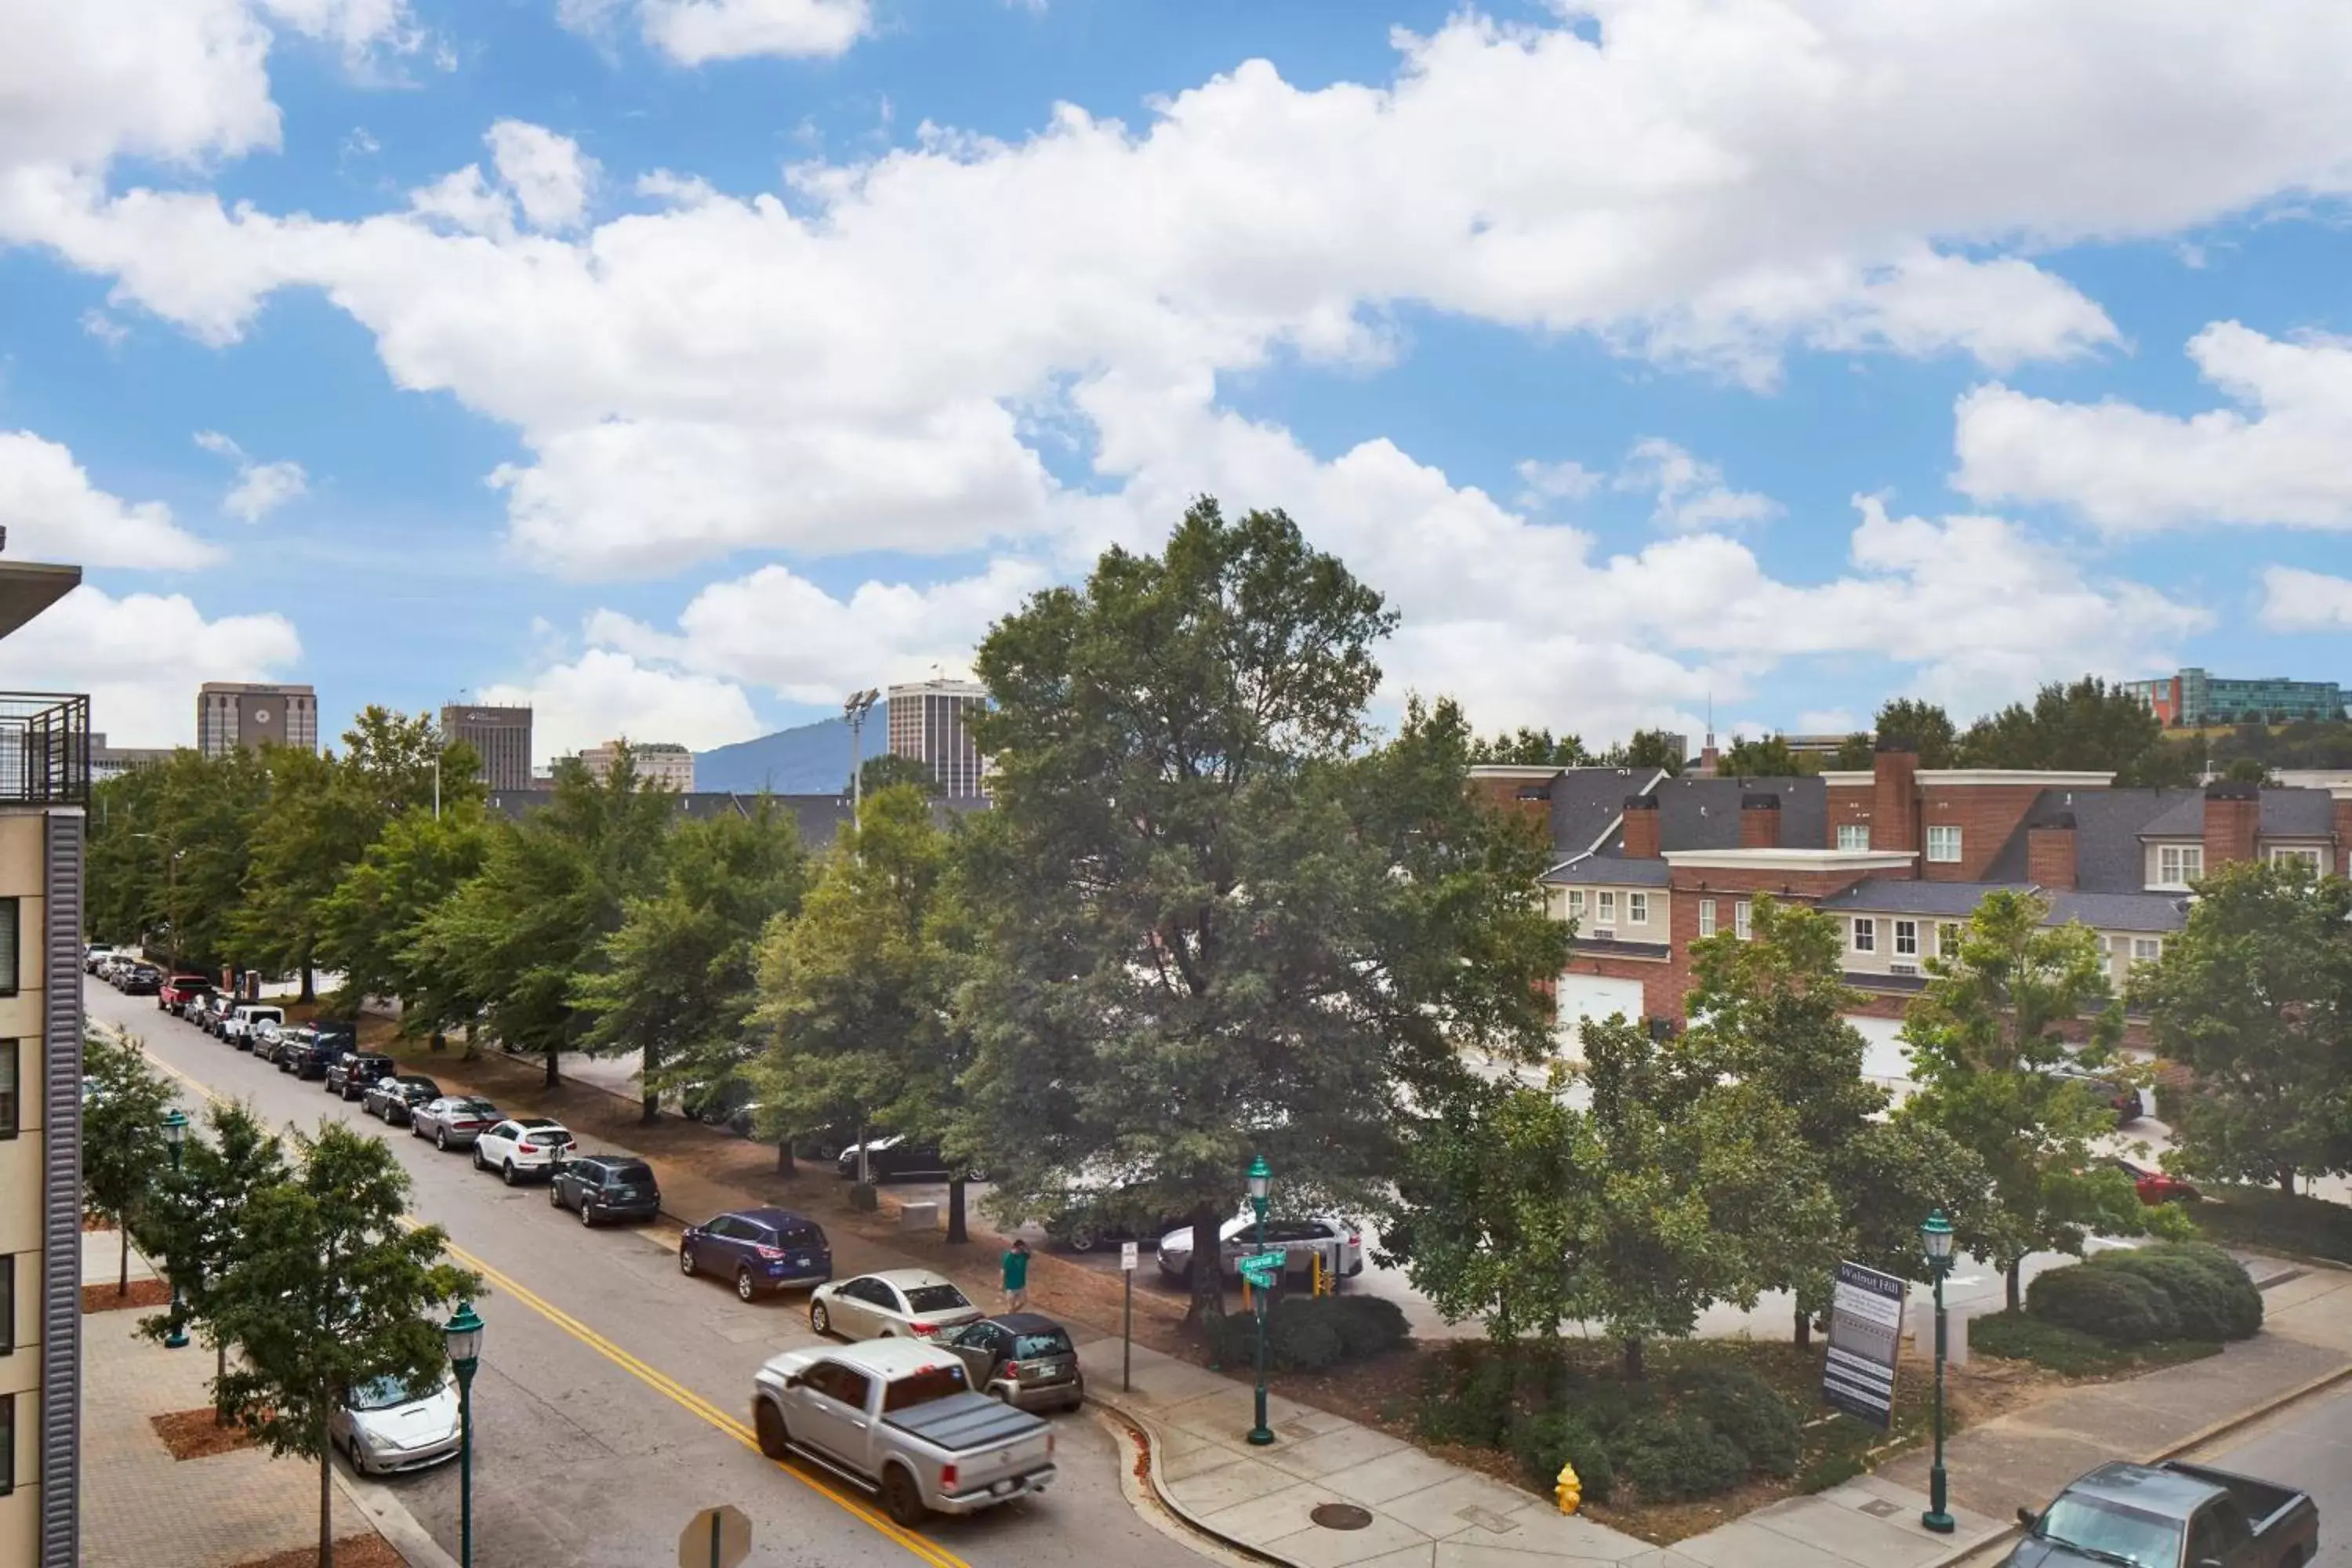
(763, 1249)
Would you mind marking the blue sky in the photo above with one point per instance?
(679, 364)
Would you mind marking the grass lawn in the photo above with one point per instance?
(2070, 1352)
(2268, 1218)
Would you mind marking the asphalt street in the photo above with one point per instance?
(614, 1397)
(2308, 1445)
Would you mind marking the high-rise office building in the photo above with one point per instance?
(230, 714)
(2194, 698)
(45, 747)
(659, 765)
(499, 736)
(929, 723)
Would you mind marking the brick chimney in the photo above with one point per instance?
(1641, 827)
(2343, 799)
(2050, 852)
(1760, 820)
(2234, 816)
(1894, 797)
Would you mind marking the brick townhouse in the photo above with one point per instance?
(1647, 863)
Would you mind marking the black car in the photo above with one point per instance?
(278, 1044)
(349, 1074)
(605, 1186)
(896, 1159)
(391, 1098)
(314, 1054)
(141, 980)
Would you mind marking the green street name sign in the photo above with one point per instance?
(1263, 1268)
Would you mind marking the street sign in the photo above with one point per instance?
(1127, 1256)
(1262, 1269)
(1865, 1331)
(718, 1538)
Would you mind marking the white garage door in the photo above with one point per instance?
(1583, 997)
(1884, 1060)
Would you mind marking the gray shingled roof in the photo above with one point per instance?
(2286, 814)
(1585, 802)
(1891, 896)
(2122, 911)
(1704, 813)
(1607, 869)
(2108, 855)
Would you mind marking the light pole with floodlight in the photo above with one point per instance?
(463, 1334)
(1261, 1184)
(175, 1131)
(1938, 1236)
(855, 709)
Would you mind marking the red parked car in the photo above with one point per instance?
(2155, 1187)
(181, 989)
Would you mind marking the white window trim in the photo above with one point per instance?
(1948, 939)
(1907, 929)
(2303, 853)
(1863, 934)
(1740, 918)
(1853, 835)
(1706, 917)
(2181, 873)
(1607, 913)
(1576, 903)
(2155, 942)
(1948, 835)
(1637, 909)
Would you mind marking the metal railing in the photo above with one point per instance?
(43, 749)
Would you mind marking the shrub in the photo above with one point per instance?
(1676, 1456)
(2203, 1300)
(1542, 1444)
(1368, 1326)
(1476, 1408)
(1744, 1408)
(1300, 1338)
(2111, 1303)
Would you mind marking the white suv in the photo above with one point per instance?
(522, 1146)
(238, 1026)
(1340, 1242)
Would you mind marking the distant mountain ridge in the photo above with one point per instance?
(808, 759)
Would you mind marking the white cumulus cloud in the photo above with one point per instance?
(2295, 600)
(260, 488)
(1691, 494)
(2278, 457)
(697, 32)
(140, 659)
(53, 512)
(603, 694)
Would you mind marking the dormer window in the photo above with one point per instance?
(2177, 865)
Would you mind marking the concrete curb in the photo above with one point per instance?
(1160, 1493)
(394, 1522)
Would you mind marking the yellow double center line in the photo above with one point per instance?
(661, 1382)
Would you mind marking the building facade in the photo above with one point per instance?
(499, 736)
(660, 764)
(44, 746)
(1901, 855)
(931, 723)
(230, 714)
(2194, 698)
(112, 762)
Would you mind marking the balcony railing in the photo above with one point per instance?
(43, 749)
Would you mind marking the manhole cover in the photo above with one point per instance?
(1340, 1516)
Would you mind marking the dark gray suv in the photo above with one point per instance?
(604, 1186)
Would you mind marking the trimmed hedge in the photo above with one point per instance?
(2108, 1302)
(1542, 1444)
(1308, 1333)
(1675, 1456)
(1743, 1407)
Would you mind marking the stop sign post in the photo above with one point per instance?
(715, 1538)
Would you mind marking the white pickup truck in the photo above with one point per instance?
(900, 1417)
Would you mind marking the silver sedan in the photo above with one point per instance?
(386, 1427)
(898, 1303)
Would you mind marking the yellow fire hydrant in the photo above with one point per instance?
(1571, 1492)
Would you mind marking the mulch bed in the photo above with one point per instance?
(191, 1433)
(370, 1551)
(144, 1293)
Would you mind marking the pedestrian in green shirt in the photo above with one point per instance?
(1016, 1278)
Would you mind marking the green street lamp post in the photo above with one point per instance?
(1261, 1184)
(175, 1133)
(463, 1333)
(1938, 1235)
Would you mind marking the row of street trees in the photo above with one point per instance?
(291, 1257)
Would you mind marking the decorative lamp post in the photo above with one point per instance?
(464, 1332)
(175, 1133)
(1261, 1184)
(1938, 1236)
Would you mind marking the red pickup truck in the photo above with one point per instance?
(180, 990)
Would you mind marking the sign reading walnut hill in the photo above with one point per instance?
(1865, 1330)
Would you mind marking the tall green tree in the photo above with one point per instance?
(2086, 724)
(1983, 1038)
(1648, 748)
(1677, 1187)
(516, 940)
(305, 835)
(2255, 999)
(1767, 758)
(856, 1003)
(124, 1155)
(676, 982)
(1773, 1008)
(1926, 725)
(372, 924)
(1531, 748)
(327, 1290)
(884, 769)
(1201, 895)
(197, 1217)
